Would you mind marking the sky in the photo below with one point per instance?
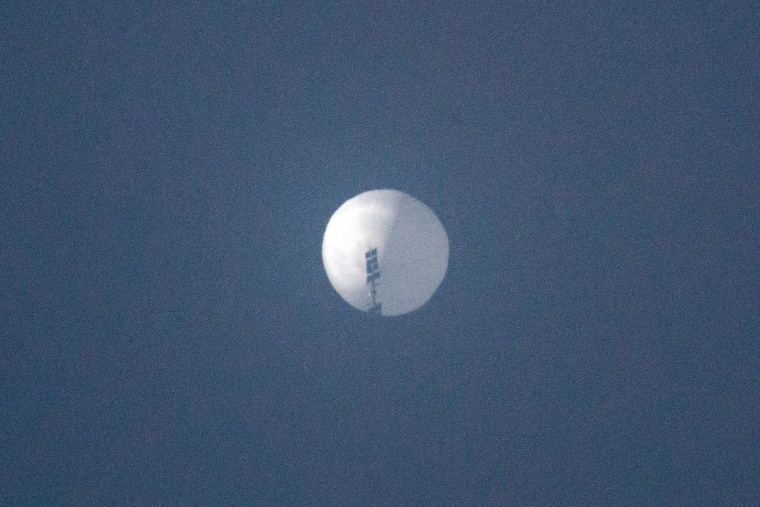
(168, 335)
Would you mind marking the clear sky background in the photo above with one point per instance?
(169, 336)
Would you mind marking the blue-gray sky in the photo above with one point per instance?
(168, 334)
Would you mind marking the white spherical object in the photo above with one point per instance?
(412, 252)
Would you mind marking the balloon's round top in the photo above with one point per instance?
(385, 252)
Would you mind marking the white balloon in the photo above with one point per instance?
(412, 252)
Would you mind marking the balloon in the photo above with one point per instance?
(385, 252)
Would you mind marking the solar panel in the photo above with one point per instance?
(373, 275)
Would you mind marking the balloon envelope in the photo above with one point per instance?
(412, 252)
